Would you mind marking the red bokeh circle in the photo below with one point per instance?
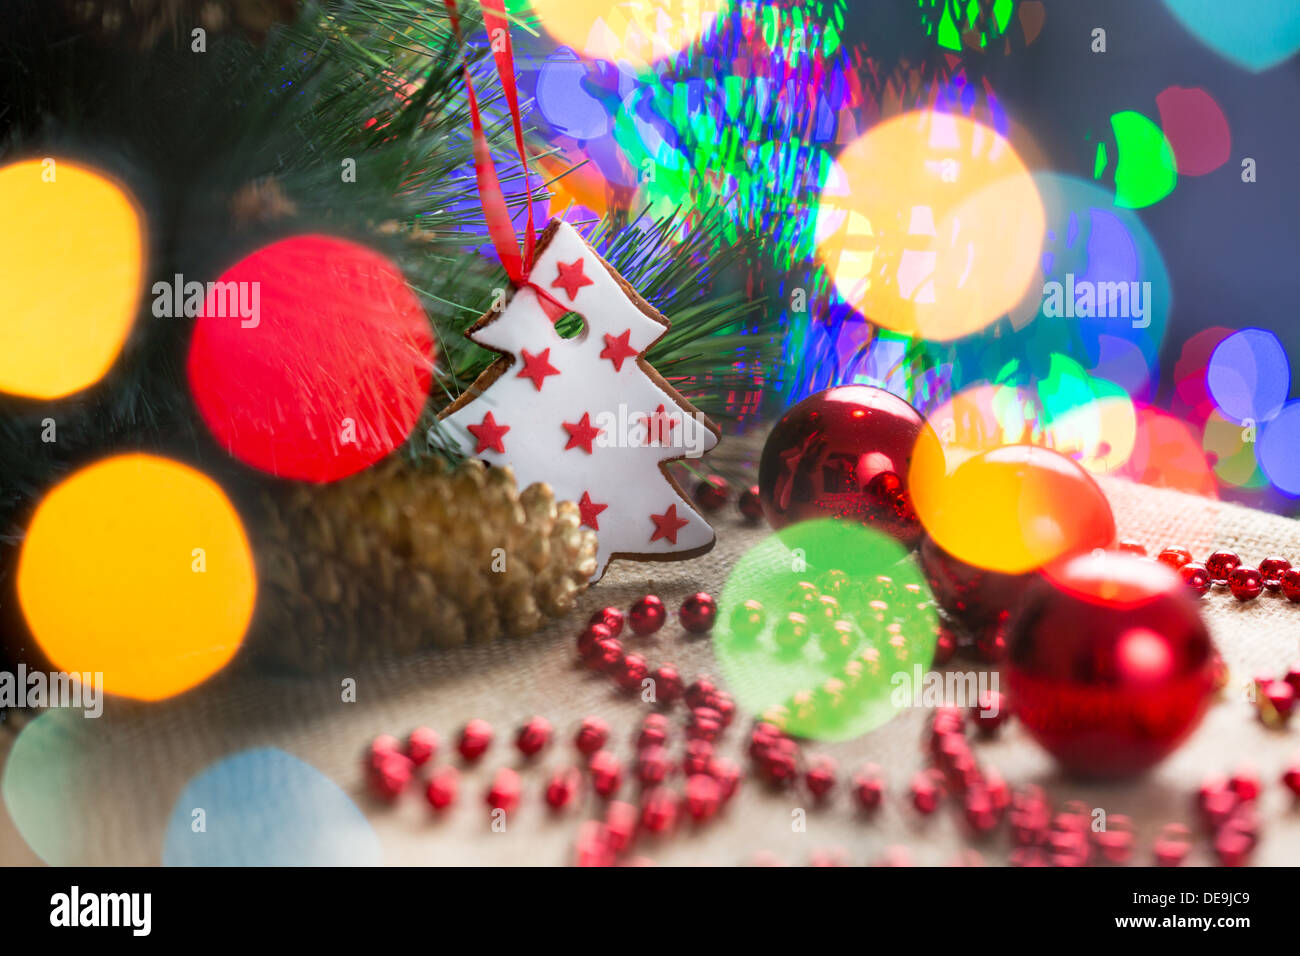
(328, 375)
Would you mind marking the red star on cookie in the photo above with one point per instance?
(489, 434)
(589, 510)
(537, 367)
(659, 426)
(581, 433)
(667, 525)
(617, 349)
(571, 278)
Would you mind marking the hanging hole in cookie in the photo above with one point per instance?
(571, 325)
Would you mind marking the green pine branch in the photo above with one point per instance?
(243, 144)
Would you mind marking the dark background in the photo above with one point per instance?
(1231, 248)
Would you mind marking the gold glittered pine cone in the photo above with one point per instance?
(399, 558)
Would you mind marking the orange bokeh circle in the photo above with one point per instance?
(930, 225)
(1011, 508)
(137, 568)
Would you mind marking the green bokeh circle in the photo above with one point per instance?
(892, 628)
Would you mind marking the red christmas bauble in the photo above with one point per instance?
(327, 369)
(972, 595)
(1109, 664)
(843, 453)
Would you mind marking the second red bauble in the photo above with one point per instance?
(843, 453)
(1109, 664)
(972, 595)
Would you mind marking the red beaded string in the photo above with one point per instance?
(1225, 569)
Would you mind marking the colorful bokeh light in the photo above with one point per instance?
(977, 25)
(836, 680)
(1105, 291)
(265, 807)
(1073, 361)
(1145, 168)
(969, 23)
(1230, 450)
(1279, 449)
(1249, 375)
(1168, 454)
(1196, 129)
(71, 273)
(1088, 419)
(745, 119)
(46, 786)
(331, 374)
(1191, 393)
(637, 33)
(1011, 509)
(137, 568)
(1254, 35)
(930, 225)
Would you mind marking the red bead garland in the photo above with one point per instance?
(653, 765)
(820, 777)
(421, 745)
(588, 639)
(703, 796)
(747, 620)
(647, 615)
(1064, 836)
(1273, 568)
(1225, 569)
(1291, 777)
(630, 671)
(1246, 584)
(606, 773)
(658, 810)
(1220, 563)
(751, 505)
(591, 736)
(1196, 577)
(712, 493)
(1173, 844)
(443, 787)
(533, 736)
(668, 683)
(1174, 557)
(390, 772)
(562, 787)
(475, 738)
(653, 733)
(609, 617)
(698, 613)
(699, 783)
(868, 788)
(505, 790)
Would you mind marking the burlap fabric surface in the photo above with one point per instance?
(135, 760)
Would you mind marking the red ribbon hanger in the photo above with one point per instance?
(502, 231)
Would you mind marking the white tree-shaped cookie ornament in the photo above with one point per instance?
(587, 414)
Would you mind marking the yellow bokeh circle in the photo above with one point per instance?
(931, 225)
(1012, 508)
(71, 272)
(137, 568)
(627, 31)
